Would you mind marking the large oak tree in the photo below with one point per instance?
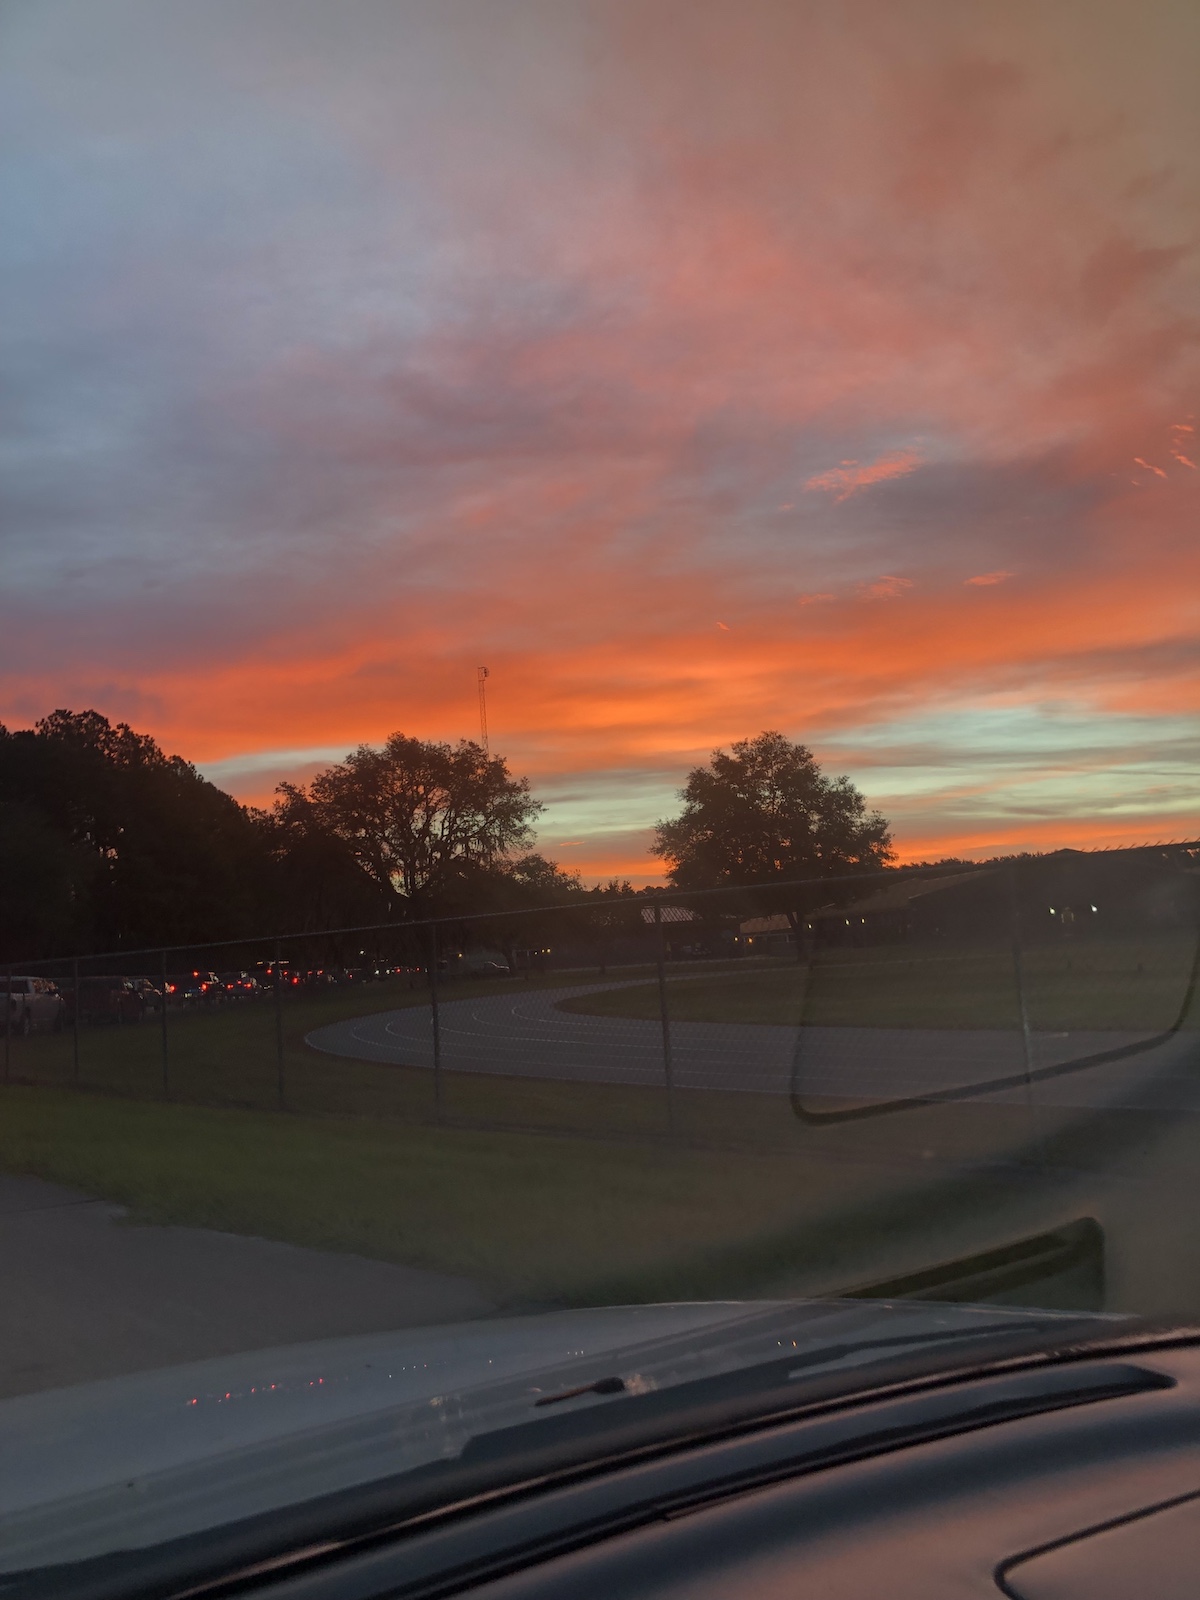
(765, 812)
(419, 815)
(122, 843)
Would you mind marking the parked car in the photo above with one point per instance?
(32, 1004)
(184, 988)
(265, 973)
(150, 992)
(199, 986)
(107, 999)
(237, 985)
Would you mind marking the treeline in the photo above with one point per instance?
(108, 843)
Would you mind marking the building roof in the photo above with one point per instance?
(669, 914)
(899, 896)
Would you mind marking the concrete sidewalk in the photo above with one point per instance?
(84, 1294)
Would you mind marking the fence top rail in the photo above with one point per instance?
(580, 906)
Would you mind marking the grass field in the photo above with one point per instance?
(535, 1219)
(1130, 985)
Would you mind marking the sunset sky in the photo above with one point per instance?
(699, 368)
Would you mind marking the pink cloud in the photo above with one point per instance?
(886, 588)
(813, 599)
(852, 476)
(984, 580)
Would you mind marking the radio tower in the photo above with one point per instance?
(482, 676)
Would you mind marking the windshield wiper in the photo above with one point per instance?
(824, 1355)
(601, 1386)
(751, 1390)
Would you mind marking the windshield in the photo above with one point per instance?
(598, 741)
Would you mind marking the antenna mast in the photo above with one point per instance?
(482, 677)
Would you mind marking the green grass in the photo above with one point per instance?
(537, 1219)
(532, 1218)
(1133, 985)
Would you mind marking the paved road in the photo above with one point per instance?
(87, 1295)
(528, 1035)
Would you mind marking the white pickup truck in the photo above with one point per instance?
(29, 1004)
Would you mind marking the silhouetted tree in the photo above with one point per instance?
(153, 852)
(765, 812)
(45, 886)
(418, 815)
(316, 880)
(535, 889)
(617, 919)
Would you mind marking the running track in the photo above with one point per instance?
(527, 1035)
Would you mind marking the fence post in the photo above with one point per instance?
(1023, 1006)
(279, 1030)
(166, 1076)
(665, 1017)
(8, 1009)
(431, 965)
(75, 1020)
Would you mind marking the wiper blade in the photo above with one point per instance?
(749, 1391)
(824, 1355)
(601, 1386)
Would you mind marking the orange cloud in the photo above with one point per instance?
(886, 588)
(850, 477)
(984, 580)
(631, 686)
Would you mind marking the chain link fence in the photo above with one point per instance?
(1012, 992)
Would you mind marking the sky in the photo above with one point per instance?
(697, 368)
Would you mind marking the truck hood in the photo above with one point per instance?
(135, 1461)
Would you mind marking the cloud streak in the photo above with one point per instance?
(852, 476)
